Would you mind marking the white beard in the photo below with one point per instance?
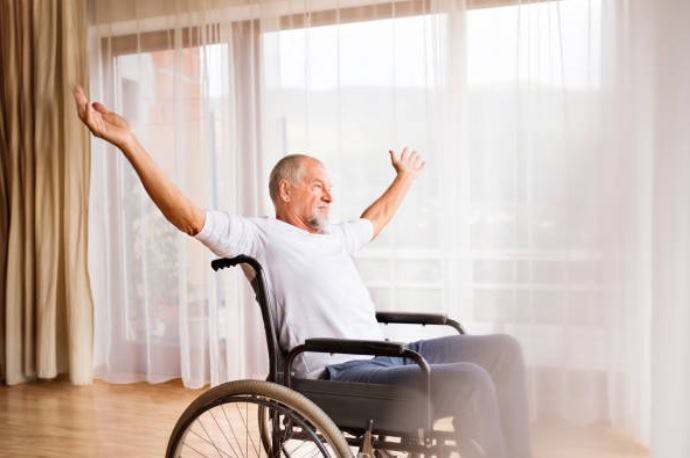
(317, 221)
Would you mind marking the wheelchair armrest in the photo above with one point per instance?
(418, 318)
(411, 317)
(355, 347)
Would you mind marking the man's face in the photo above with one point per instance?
(311, 197)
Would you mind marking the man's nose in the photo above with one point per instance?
(327, 197)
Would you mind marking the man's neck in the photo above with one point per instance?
(296, 221)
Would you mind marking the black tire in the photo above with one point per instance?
(308, 419)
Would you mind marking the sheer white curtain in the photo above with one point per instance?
(187, 85)
(553, 193)
(670, 215)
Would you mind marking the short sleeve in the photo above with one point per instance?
(356, 234)
(228, 235)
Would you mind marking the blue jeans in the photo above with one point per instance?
(478, 380)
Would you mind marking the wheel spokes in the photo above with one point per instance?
(208, 436)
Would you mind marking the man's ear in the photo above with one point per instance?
(284, 190)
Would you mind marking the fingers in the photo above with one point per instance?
(409, 159)
(88, 116)
(80, 100)
(413, 157)
(100, 108)
(78, 94)
(84, 108)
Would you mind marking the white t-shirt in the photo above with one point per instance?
(313, 284)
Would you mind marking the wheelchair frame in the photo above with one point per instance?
(425, 440)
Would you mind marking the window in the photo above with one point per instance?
(347, 85)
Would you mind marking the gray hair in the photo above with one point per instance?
(289, 168)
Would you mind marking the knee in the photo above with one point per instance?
(462, 387)
(510, 348)
(460, 376)
(478, 378)
(481, 390)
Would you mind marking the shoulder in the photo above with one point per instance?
(228, 234)
(360, 226)
(220, 220)
(355, 233)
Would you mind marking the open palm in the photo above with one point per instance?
(102, 122)
(408, 163)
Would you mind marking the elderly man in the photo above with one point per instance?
(317, 291)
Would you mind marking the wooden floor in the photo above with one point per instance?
(102, 420)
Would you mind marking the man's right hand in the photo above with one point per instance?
(101, 122)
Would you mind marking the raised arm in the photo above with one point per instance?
(407, 167)
(109, 126)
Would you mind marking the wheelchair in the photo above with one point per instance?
(285, 416)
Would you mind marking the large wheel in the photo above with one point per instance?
(236, 418)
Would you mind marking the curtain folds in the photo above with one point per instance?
(46, 299)
(670, 264)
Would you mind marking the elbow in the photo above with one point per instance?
(193, 225)
(187, 227)
(191, 228)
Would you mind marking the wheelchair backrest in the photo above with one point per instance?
(258, 283)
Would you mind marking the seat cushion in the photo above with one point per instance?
(351, 405)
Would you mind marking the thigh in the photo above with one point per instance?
(382, 370)
(487, 351)
(450, 383)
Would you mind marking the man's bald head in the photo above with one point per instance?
(290, 168)
(301, 192)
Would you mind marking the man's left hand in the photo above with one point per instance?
(408, 164)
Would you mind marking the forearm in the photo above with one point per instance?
(175, 206)
(383, 208)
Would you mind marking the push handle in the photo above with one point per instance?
(224, 263)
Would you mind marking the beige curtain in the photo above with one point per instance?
(45, 294)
